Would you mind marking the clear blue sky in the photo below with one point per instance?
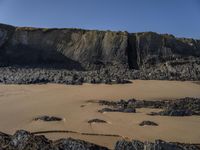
(178, 17)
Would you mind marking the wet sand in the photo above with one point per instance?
(19, 104)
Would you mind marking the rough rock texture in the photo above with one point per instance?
(121, 106)
(148, 123)
(157, 145)
(180, 107)
(23, 140)
(47, 55)
(73, 48)
(48, 118)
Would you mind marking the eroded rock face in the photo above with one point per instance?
(91, 48)
(98, 56)
(23, 140)
(72, 144)
(153, 48)
(4, 140)
(157, 145)
(83, 49)
(3, 35)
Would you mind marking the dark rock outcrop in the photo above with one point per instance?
(121, 106)
(72, 48)
(23, 140)
(174, 112)
(4, 140)
(48, 118)
(72, 144)
(180, 107)
(74, 56)
(157, 145)
(148, 123)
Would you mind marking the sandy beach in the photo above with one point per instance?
(20, 104)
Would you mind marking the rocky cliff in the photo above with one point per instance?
(83, 50)
(70, 47)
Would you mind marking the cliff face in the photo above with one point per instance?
(154, 48)
(85, 50)
(69, 46)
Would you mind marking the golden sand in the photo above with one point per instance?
(19, 104)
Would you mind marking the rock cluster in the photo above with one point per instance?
(108, 75)
(121, 106)
(180, 107)
(23, 140)
(157, 145)
(18, 75)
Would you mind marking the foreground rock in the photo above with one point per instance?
(157, 145)
(180, 107)
(23, 140)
